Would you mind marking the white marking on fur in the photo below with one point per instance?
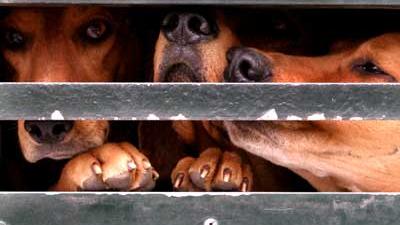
(354, 188)
(293, 117)
(316, 116)
(152, 117)
(356, 118)
(319, 173)
(56, 115)
(178, 117)
(269, 115)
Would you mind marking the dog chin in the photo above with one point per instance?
(181, 64)
(34, 153)
(180, 72)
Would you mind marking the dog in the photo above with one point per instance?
(191, 48)
(331, 155)
(76, 44)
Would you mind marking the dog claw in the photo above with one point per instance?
(245, 185)
(227, 174)
(131, 166)
(155, 175)
(179, 180)
(146, 164)
(204, 171)
(97, 169)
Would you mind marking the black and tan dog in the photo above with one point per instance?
(192, 48)
(331, 155)
(76, 44)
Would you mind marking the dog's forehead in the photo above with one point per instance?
(52, 16)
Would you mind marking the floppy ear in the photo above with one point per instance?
(162, 145)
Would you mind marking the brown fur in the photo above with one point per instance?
(332, 155)
(207, 61)
(58, 46)
(54, 51)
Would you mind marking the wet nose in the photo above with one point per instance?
(48, 132)
(188, 28)
(247, 65)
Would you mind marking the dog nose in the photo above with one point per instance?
(188, 28)
(247, 65)
(48, 132)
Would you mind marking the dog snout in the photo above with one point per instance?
(247, 65)
(48, 132)
(188, 28)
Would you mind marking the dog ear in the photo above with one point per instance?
(162, 145)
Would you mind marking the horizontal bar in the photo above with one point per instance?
(296, 3)
(151, 209)
(194, 101)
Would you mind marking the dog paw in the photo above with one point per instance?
(113, 166)
(213, 170)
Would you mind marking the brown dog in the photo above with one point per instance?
(331, 155)
(192, 48)
(76, 44)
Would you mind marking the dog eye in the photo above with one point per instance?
(96, 31)
(13, 39)
(370, 68)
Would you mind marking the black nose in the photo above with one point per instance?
(247, 65)
(48, 132)
(188, 28)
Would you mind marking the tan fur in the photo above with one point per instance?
(84, 135)
(214, 52)
(203, 136)
(54, 52)
(210, 52)
(332, 155)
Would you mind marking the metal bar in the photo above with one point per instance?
(152, 209)
(293, 3)
(194, 101)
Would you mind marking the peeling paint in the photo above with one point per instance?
(57, 115)
(116, 118)
(278, 209)
(178, 117)
(210, 221)
(152, 117)
(269, 115)
(367, 202)
(2, 222)
(316, 116)
(341, 205)
(338, 118)
(356, 118)
(133, 118)
(293, 117)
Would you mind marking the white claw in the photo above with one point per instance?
(97, 169)
(146, 164)
(204, 173)
(155, 175)
(131, 166)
